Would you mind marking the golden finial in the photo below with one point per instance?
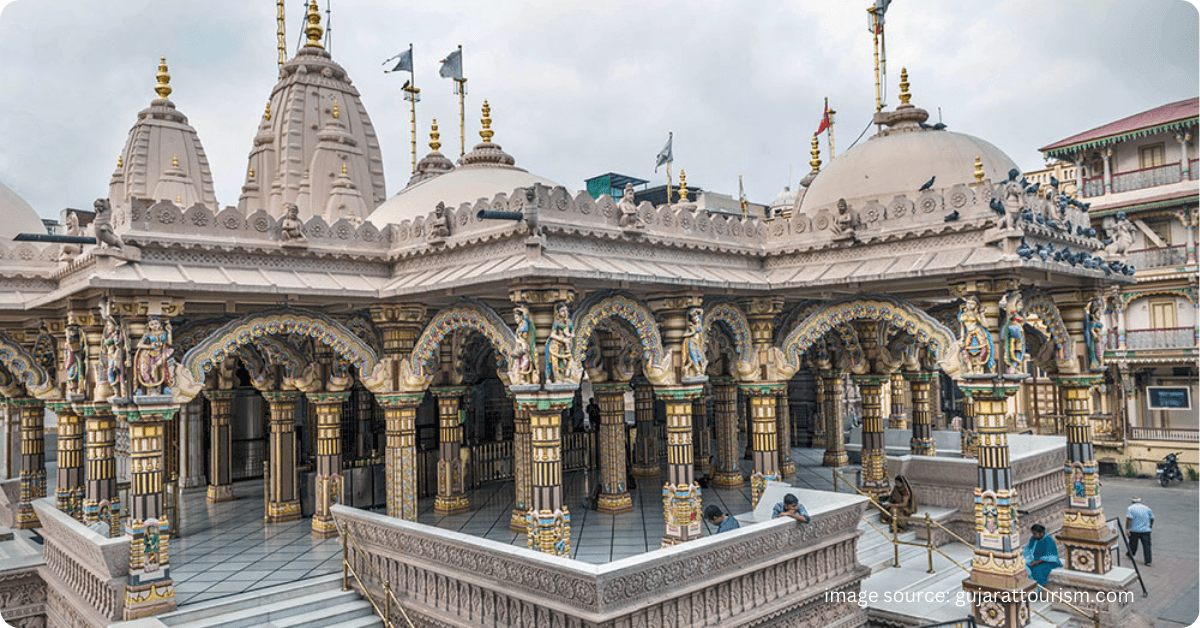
(433, 137)
(343, 167)
(313, 29)
(267, 115)
(251, 172)
(978, 169)
(904, 95)
(683, 191)
(335, 109)
(179, 200)
(175, 161)
(486, 133)
(816, 155)
(163, 89)
(120, 161)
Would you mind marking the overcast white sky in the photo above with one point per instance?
(579, 89)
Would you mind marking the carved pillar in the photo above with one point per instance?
(1086, 538)
(329, 459)
(548, 524)
(191, 445)
(522, 469)
(898, 419)
(69, 489)
(400, 452)
(967, 437)
(645, 459)
(614, 498)
(921, 443)
(283, 496)
(835, 433)
(681, 493)
(451, 498)
(874, 459)
(998, 580)
(220, 446)
(100, 501)
(33, 460)
(150, 589)
(1185, 165)
(1107, 152)
(1078, 161)
(701, 437)
(728, 472)
(12, 439)
(818, 420)
(783, 426)
(763, 438)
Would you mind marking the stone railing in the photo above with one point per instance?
(1165, 174)
(1158, 258)
(1168, 338)
(756, 575)
(10, 496)
(1176, 434)
(85, 572)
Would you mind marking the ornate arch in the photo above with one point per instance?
(224, 341)
(1127, 298)
(605, 305)
(920, 325)
(734, 319)
(466, 314)
(1040, 303)
(21, 364)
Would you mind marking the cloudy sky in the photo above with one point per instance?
(582, 88)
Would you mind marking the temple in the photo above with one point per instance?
(379, 365)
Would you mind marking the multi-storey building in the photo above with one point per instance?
(1145, 167)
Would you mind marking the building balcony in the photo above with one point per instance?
(1176, 434)
(1165, 338)
(1166, 174)
(1167, 257)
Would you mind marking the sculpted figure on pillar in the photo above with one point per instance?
(558, 346)
(1120, 237)
(106, 237)
(75, 360)
(438, 227)
(1011, 194)
(291, 230)
(151, 360)
(70, 251)
(523, 371)
(852, 359)
(1012, 334)
(630, 220)
(1094, 322)
(977, 347)
(695, 361)
(115, 357)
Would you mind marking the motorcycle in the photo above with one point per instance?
(1168, 469)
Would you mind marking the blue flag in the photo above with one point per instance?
(452, 66)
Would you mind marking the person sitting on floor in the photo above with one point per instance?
(1041, 555)
(790, 507)
(721, 519)
(901, 503)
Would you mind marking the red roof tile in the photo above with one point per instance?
(1158, 116)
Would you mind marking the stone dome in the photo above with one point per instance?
(482, 173)
(17, 216)
(783, 201)
(901, 159)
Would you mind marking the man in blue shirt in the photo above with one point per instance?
(790, 507)
(1139, 520)
(721, 519)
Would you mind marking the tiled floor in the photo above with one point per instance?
(226, 548)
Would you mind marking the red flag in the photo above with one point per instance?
(825, 121)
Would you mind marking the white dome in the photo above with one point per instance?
(900, 163)
(784, 200)
(17, 216)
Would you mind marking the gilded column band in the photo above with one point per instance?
(451, 496)
(100, 502)
(835, 434)
(1086, 538)
(614, 496)
(69, 484)
(919, 385)
(400, 452)
(764, 441)
(220, 406)
(548, 526)
(681, 494)
(874, 458)
(522, 469)
(898, 419)
(328, 483)
(645, 462)
(33, 460)
(283, 497)
(783, 422)
(728, 471)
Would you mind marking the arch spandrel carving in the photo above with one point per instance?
(824, 318)
(417, 372)
(191, 371)
(24, 368)
(1040, 303)
(730, 316)
(656, 361)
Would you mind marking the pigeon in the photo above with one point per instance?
(1129, 270)
(1107, 271)
(1054, 182)
(1067, 224)
(1024, 250)
(1089, 232)
(1106, 241)
(1027, 214)
(939, 126)
(1058, 255)
(1084, 207)
(1043, 252)
(1033, 188)
(952, 216)
(925, 126)
(1092, 262)
(996, 206)
(1115, 266)
(1053, 225)
(1073, 259)
(928, 184)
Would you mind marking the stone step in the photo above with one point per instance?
(372, 621)
(335, 615)
(292, 612)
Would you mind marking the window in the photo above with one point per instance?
(1151, 156)
(1162, 314)
(1162, 229)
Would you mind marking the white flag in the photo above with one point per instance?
(452, 66)
(664, 155)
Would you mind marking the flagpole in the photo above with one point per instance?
(830, 112)
(668, 184)
(742, 194)
(462, 119)
(280, 28)
(412, 90)
(875, 35)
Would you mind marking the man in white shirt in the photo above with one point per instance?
(1139, 520)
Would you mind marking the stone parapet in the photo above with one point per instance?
(1112, 594)
(85, 572)
(766, 574)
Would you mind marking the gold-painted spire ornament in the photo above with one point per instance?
(816, 155)
(434, 144)
(174, 161)
(904, 95)
(267, 113)
(978, 169)
(163, 89)
(313, 29)
(335, 109)
(486, 133)
(120, 161)
(683, 191)
(251, 172)
(343, 167)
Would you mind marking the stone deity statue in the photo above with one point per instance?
(102, 226)
(1012, 335)
(978, 351)
(1012, 195)
(1094, 322)
(558, 346)
(628, 210)
(695, 361)
(115, 357)
(75, 360)
(438, 227)
(1121, 233)
(843, 222)
(524, 369)
(151, 362)
(70, 251)
(291, 230)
